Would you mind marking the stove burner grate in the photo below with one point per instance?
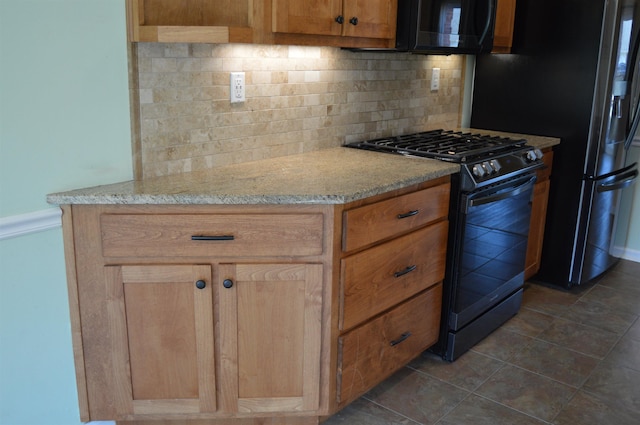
(455, 146)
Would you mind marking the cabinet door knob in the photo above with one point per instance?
(340, 19)
(353, 21)
(227, 283)
(201, 284)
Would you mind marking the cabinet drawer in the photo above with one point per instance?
(368, 224)
(380, 277)
(176, 235)
(372, 352)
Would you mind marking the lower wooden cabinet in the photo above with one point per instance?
(538, 216)
(272, 318)
(161, 323)
(370, 353)
(270, 330)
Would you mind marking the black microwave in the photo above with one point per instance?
(445, 26)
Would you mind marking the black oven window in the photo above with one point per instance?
(493, 251)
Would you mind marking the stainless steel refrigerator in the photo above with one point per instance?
(573, 73)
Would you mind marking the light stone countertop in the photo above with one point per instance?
(331, 176)
(540, 142)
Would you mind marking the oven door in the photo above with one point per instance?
(493, 229)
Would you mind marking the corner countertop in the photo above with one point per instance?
(330, 176)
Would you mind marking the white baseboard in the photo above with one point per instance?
(24, 224)
(626, 253)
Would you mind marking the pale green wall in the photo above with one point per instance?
(64, 123)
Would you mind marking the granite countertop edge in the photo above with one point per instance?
(330, 176)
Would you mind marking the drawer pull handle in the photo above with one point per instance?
(405, 271)
(401, 339)
(227, 283)
(201, 284)
(408, 214)
(213, 238)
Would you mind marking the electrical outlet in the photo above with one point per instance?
(435, 79)
(237, 87)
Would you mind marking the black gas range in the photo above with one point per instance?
(489, 219)
(484, 159)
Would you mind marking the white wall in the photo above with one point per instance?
(64, 123)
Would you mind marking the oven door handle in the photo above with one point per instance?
(514, 191)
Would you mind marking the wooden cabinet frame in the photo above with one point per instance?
(241, 298)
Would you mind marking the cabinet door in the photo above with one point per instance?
(536, 228)
(503, 31)
(370, 18)
(270, 335)
(307, 17)
(161, 326)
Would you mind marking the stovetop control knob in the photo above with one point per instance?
(534, 155)
(478, 170)
(495, 164)
(487, 167)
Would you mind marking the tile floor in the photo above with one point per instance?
(568, 358)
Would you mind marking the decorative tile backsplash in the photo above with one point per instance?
(298, 99)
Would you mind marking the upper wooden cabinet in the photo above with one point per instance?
(341, 23)
(503, 32)
(349, 18)
(192, 21)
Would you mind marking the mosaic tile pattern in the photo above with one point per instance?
(565, 366)
(298, 99)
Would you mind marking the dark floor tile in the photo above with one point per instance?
(600, 316)
(628, 267)
(555, 362)
(527, 392)
(417, 396)
(582, 338)
(364, 412)
(585, 409)
(622, 281)
(502, 344)
(634, 331)
(548, 300)
(529, 322)
(616, 299)
(469, 371)
(476, 410)
(618, 387)
(626, 353)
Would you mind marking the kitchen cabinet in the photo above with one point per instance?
(161, 320)
(252, 314)
(391, 291)
(538, 216)
(343, 23)
(194, 21)
(503, 31)
(271, 321)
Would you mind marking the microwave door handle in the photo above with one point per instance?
(487, 25)
(620, 182)
(516, 190)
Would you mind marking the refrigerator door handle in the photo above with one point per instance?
(613, 173)
(620, 182)
(631, 71)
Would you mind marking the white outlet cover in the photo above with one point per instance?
(237, 87)
(435, 79)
